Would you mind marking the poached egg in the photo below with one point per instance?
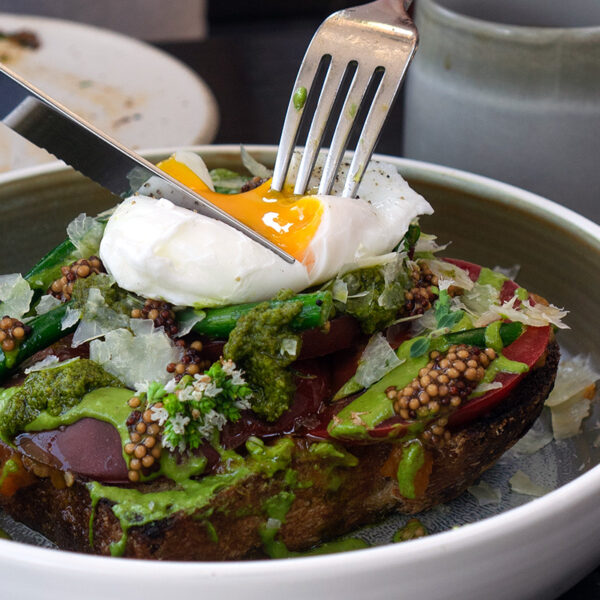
(159, 250)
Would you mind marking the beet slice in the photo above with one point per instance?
(89, 447)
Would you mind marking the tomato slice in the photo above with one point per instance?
(528, 349)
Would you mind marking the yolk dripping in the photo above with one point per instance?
(287, 220)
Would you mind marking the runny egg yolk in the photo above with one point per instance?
(289, 221)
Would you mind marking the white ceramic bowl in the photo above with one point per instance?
(537, 550)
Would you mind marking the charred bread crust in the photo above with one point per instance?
(321, 511)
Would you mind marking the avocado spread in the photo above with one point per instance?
(264, 345)
(54, 391)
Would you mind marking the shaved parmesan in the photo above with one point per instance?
(46, 304)
(539, 436)
(143, 357)
(568, 416)
(459, 277)
(485, 493)
(85, 234)
(522, 484)
(538, 315)
(42, 364)
(71, 317)
(15, 295)
(187, 323)
(377, 359)
(570, 399)
(574, 375)
(254, 167)
(510, 272)
(479, 298)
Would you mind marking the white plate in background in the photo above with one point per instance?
(128, 89)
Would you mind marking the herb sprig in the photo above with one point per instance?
(445, 319)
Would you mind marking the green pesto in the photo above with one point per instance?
(10, 466)
(352, 110)
(503, 365)
(299, 98)
(276, 508)
(489, 277)
(135, 508)
(333, 454)
(413, 529)
(53, 391)
(259, 344)
(374, 302)
(492, 336)
(107, 404)
(278, 549)
(114, 297)
(212, 532)
(413, 457)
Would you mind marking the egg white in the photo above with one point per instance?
(158, 250)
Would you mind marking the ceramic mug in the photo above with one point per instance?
(510, 90)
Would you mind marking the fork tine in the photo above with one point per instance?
(329, 91)
(293, 117)
(384, 97)
(339, 142)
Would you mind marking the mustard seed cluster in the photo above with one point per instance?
(145, 446)
(62, 288)
(192, 362)
(161, 313)
(420, 297)
(441, 387)
(12, 333)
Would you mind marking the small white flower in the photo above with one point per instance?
(242, 404)
(228, 367)
(179, 421)
(170, 386)
(141, 387)
(159, 415)
(211, 390)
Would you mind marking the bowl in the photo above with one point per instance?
(521, 548)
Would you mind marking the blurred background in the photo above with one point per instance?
(242, 58)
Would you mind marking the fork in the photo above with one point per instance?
(376, 37)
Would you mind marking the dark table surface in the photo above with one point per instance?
(250, 64)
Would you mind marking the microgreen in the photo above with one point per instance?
(199, 406)
(445, 318)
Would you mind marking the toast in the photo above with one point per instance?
(230, 526)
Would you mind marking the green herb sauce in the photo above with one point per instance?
(134, 508)
(4, 535)
(372, 300)
(53, 391)
(413, 458)
(412, 530)
(489, 277)
(264, 344)
(10, 466)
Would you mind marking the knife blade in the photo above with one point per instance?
(49, 125)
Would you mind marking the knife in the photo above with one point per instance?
(49, 125)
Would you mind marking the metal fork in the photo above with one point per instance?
(379, 36)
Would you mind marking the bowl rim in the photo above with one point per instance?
(570, 497)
